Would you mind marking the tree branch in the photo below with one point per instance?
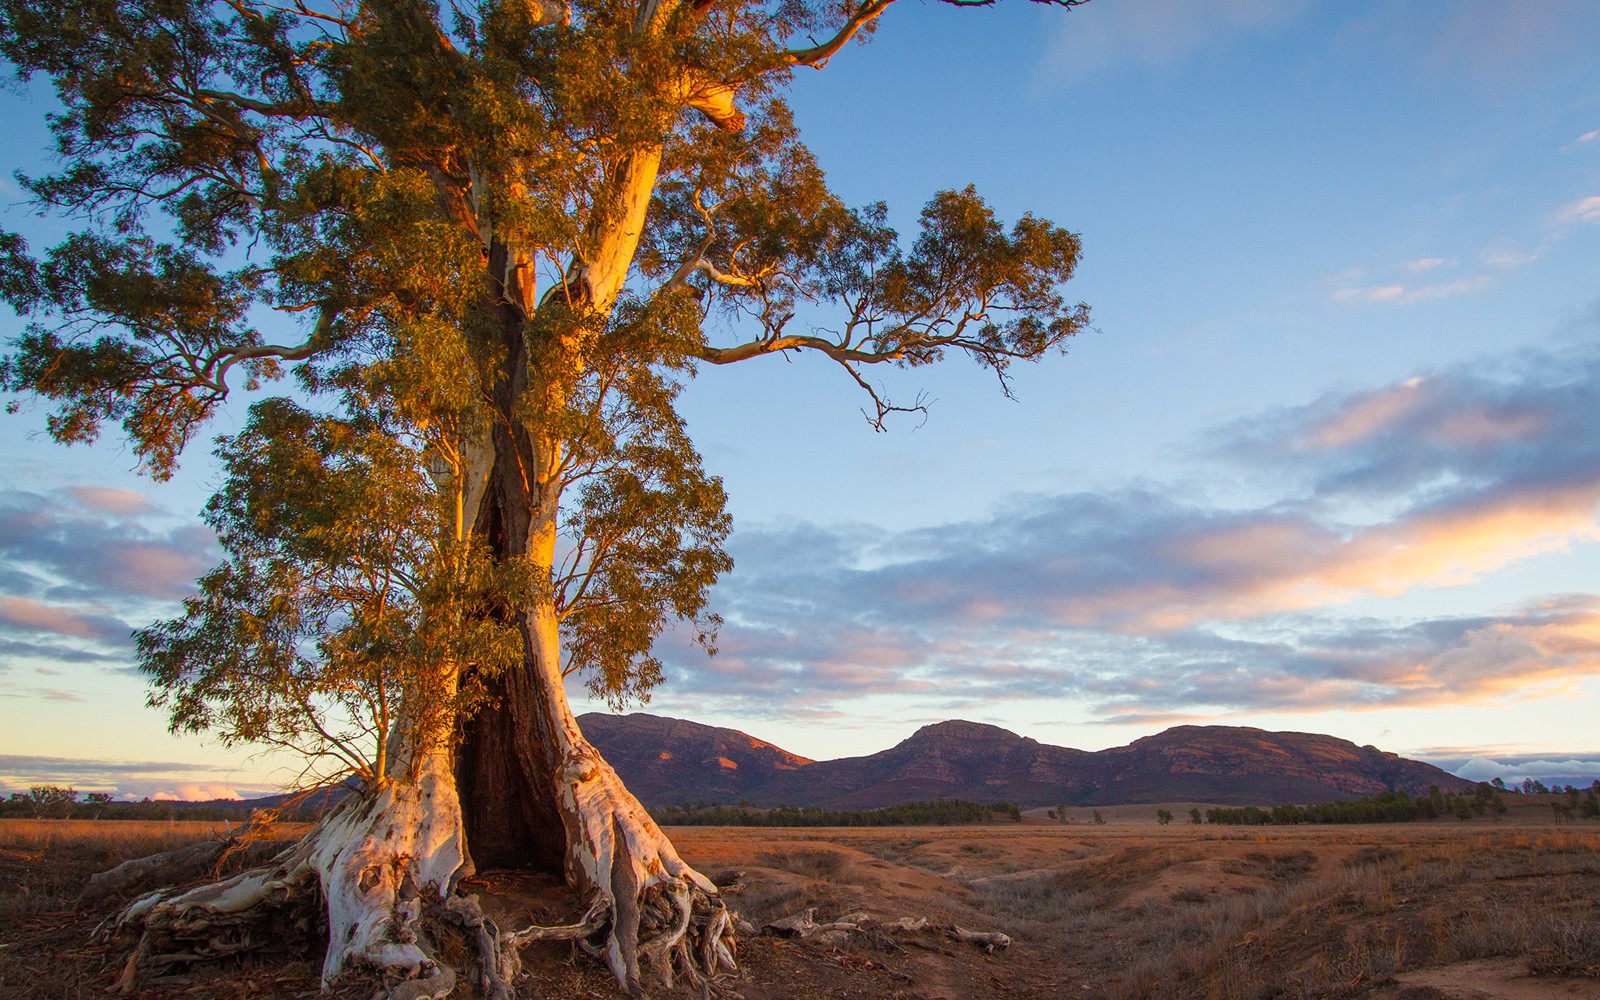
(818, 55)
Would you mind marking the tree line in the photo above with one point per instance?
(1400, 807)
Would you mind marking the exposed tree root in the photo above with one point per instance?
(355, 886)
(186, 864)
(374, 884)
(651, 916)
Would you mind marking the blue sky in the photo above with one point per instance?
(1326, 461)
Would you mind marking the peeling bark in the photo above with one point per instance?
(376, 878)
(374, 862)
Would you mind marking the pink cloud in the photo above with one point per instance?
(110, 500)
(1582, 210)
(163, 568)
(1256, 570)
(1528, 657)
(80, 623)
(1364, 417)
(203, 792)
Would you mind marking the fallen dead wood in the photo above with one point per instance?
(805, 926)
(173, 868)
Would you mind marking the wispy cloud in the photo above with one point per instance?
(1494, 45)
(1582, 210)
(1401, 293)
(56, 694)
(1507, 257)
(1581, 141)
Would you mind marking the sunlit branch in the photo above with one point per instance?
(817, 56)
(219, 362)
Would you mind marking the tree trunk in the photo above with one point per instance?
(534, 792)
(524, 788)
(503, 776)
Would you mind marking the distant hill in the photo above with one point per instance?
(669, 761)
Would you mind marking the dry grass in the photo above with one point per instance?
(1109, 913)
(45, 945)
(1185, 912)
(1303, 928)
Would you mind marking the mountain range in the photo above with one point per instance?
(672, 761)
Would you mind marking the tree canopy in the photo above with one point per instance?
(469, 253)
(401, 182)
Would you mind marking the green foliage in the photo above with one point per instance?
(42, 802)
(1163, 816)
(346, 608)
(503, 234)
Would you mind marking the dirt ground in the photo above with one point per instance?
(1124, 909)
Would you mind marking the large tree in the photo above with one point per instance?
(506, 231)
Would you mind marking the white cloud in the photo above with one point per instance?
(1505, 258)
(1425, 264)
(1487, 769)
(1402, 294)
(1582, 210)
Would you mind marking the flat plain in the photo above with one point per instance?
(1127, 908)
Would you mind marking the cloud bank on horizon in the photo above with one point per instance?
(130, 780)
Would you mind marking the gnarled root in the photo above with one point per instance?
(265, 909)
(651, 916)
(377, 875)
(358, 883)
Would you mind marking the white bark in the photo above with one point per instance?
(385, 860)
(379, 862)
(661, 917)
(378, 858)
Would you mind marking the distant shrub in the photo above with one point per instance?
(1385, 807)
